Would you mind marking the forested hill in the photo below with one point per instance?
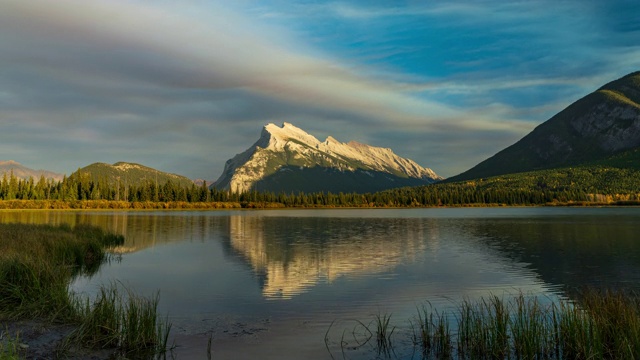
(598, 126)
(128, 174)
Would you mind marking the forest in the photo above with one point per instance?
(568, 186)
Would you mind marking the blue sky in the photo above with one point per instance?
(182, 86)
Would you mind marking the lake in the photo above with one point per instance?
(272, 284)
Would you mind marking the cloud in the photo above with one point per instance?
(184, 86)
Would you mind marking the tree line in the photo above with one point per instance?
(514, 190)
(81, 186)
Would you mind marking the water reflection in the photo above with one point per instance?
(290, 259)
(571, 251)
(217, 271)
(141, 230)
(289, 253)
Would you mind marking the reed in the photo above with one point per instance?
(384, 331)
(483, 328)
(423, 329)
(597, 325)
(432, 333)
(442, 339)
(532, 328)
(606, 324)
(123, 320)
(37, 262)
(577, 334)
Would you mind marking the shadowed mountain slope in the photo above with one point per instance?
(602, 125)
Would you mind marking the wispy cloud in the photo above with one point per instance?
(183, 86)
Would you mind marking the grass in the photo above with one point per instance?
(123, 320)
(37, 262)
(598, 325)
(384, 331)
(9, 347)
(431, 333)
(482, 328)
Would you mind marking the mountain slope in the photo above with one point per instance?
(281, 159)
(22, 172)
(129, 173)
(594, 128)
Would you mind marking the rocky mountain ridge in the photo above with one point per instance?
(289, 148)
(596, 127)
(22, 172)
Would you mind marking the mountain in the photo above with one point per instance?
(22, 172)
(130, 173)
(601, 126)
(200, 182)
(288, 159)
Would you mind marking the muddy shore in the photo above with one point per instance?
(41, 340)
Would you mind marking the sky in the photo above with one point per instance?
(183, 86)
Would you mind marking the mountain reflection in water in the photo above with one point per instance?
(323, 249)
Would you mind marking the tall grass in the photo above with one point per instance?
(597, 325)
(432, 333)
(606, 325)
(483, 328)
(123, 320)
(37, 262)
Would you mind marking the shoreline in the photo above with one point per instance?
(103, 205)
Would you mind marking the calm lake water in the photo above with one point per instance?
(271, 284)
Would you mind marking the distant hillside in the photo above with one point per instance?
(130, 174)
(22, 172)
(598, 127)
(200, 182)
(289, 159)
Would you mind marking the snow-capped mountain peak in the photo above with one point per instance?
(289, 132)
(291, 146)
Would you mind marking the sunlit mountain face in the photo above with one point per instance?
(289, 159)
